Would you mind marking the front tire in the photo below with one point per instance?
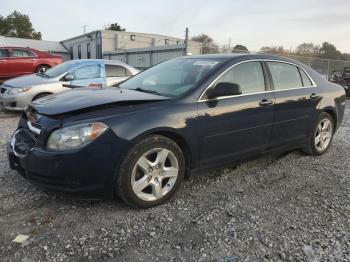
(151, 172)
(321, 136)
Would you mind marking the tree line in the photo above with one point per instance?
(324, 51)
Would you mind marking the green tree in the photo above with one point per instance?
(239, 48)
(208, 44)
(18, 25)
(115, 27)
(329, 51)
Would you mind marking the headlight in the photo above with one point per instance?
(16, 90)
(75, 136)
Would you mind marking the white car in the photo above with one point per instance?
(18, 93)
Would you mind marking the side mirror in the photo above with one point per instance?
(68, 77)
(224, 89)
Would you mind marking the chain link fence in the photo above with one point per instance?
(323, 66)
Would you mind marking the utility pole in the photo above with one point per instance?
(186, 42)
(84, 26)
(229, 44)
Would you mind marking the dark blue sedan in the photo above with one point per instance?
(138, 140)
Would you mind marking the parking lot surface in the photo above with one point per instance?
(288, 207)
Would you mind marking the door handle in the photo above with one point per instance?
(3, 60)
(314, 96)
(33, 59)
(265, 102)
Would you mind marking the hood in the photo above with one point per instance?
(83, 98)
(28, 80)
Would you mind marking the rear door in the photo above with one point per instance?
(236, 127)
(296, 98)
(116, 74)
(21, 62)
(90, 75)
(4, 65)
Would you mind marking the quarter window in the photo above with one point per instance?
(249, 76)
(305, 78)
(284, 76)
(116, 71)
(87, 72)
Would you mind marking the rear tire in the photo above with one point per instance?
(42, 69)
(151, 172)
(321, 136)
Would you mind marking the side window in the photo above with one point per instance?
(305, 78)
(21, 53)
(116, 71)
(87, 72)
(284, 76)
(249, 76)
(4, 53)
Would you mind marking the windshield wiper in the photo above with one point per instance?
(146, 91)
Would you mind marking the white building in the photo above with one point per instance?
(96, 43)
(137, 49)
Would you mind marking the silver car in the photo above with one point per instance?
(17, 93)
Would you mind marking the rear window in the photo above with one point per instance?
(116, 71)
(284, 76)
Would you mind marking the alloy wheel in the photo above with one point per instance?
(154, 174)
(323, 134)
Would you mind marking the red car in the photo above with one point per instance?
(17, 61)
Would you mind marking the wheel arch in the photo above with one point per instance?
(175, 136)
(42, 64)
(333, 114)
(41, 93)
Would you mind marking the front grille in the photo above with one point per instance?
(22, 142)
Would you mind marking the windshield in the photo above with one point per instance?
(172, 78)
(60, 69)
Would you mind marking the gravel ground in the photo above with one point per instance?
(274, 208)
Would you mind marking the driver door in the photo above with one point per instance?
(235, 127)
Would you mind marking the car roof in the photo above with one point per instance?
(104, 61)
(246, 56)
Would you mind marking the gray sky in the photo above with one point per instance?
(253, 23)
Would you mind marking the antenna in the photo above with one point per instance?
(84, 26)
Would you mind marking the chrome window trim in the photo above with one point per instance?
(266, 91)
(33, 128)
